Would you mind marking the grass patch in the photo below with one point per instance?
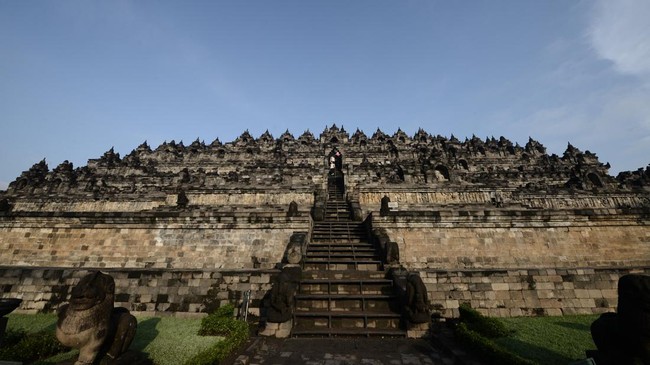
(549, 340)
(32, 323)
(485, 326)
(221, 322)
(478, 333)
(525, 340)
(171, 340)
(166, 340)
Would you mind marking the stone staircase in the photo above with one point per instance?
(343, 291)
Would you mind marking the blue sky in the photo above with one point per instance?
(78, 77)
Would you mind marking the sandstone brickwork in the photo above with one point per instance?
(532, 292)
(151, 291)
(480, 204)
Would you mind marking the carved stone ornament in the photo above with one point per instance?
(91, 324)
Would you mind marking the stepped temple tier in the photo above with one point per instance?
(332, 234)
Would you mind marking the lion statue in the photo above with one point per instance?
(91, 324)
(417, 302)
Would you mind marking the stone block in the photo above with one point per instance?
(609, 293)
(459, 295)
(284, 329)
(451, 304)
(437, 295)
(604, 285)
(595, 293)
(545, 286)
(581, 293)
(269, 329)
(477, 295)
(417, 330)
(553, 311)
(587, 303)
(545, 294)
(531, 301)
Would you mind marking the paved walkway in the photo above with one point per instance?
(342, 351)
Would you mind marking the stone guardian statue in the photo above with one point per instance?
(91, 324)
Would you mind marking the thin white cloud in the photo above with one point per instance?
(620, 32)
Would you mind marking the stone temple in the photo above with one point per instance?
(182, 228)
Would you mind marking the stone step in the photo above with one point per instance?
(342, 275)
(342, 215)
(340, 249)
(323, 228)
(334, 232)
(347, 320)
(341, 245)
(322, 232)
(339, 223)
(346, 302)
(351, 256)
(368, 332)
(366, 286)
(343, 265)
(348, 314)
(338, 230)
(339, 240)
(355, 234)
(319, 233)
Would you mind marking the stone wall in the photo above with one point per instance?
(150, 291)
(518, 239)
(416, 198)
(233, 198)
(502, 293)
(506, 293)
(171, 221)
(173, 240)
(258, 199)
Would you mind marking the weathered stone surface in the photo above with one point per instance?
(281, 300)
(478, 204)
(91, 324)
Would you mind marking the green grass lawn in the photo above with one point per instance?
(171, 340)
(167, 340)
(549, 340)
(31, 323)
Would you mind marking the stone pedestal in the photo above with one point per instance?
(278, 330)
(417, 330)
